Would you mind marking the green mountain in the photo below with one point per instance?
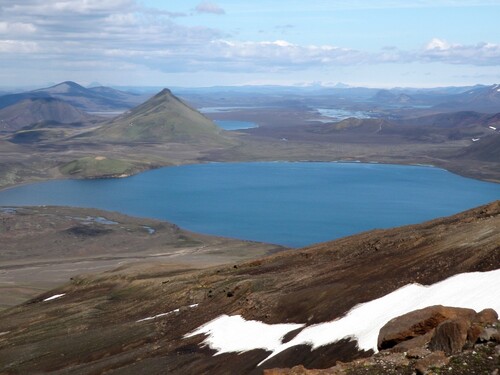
(163, 118)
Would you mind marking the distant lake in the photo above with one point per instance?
(225, 109)
(334, 114)
(293, 204)
(235, 125)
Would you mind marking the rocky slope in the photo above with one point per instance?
(434, 340)
(133, 323)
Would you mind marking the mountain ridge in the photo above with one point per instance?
(86, 99)
(37, 110)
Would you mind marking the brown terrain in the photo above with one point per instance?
(94, 327)
(443, 140)
(43, 247)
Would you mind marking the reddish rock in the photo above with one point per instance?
(414, 343)
(473, 334)
(436, 359)
(496, 336)
(450, 336)
(297, 370)
(418, 323)
(486, 316)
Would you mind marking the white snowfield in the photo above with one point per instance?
(164, 314)
(476, 290)
(235, 334)
(492, 128)
(55, 296)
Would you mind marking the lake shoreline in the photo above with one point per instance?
(226, 199)
(146, 169)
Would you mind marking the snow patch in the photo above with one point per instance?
(164, 314)
(229, 334)
(476, 290)
(492, 127)
(55, 296)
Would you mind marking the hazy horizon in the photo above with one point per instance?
(377, 43)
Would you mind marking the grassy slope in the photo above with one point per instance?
(98, 167)
(163, 118)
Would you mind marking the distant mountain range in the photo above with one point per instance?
(40, 111)
(93, 99)
(463, 125)
(389, 97)
(60, 117)
(480, 99)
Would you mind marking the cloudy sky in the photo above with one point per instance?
(378, 43)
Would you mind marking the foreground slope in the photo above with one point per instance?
(126, 324)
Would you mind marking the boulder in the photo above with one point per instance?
(473, 334)
(418, 323)
(489, 334)
(486, 316)
(450, 336)
(413, 343)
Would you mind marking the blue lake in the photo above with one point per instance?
(235, 125)
(293, 204)
(340, 114)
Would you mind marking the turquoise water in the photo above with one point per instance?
(293, 204)
(235, 125)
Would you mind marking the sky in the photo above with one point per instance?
(193, 43)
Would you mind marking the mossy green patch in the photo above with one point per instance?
(98, 167)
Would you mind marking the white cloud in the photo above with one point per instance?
(209, 7)
(438, 50)
(16, 28)
(16, 46)
(281, 53)
(53, 8)
(437, 44)
(83, 34)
